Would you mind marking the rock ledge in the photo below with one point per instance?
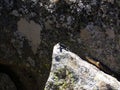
(70, 72)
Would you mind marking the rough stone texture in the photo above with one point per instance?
(32, 32)
(6, 83)
(88, 27)
(70, 72)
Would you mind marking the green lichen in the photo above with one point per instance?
(64, 79)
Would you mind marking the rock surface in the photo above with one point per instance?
(32, 32)
(6, 83)
(70, 72)
(88, 27)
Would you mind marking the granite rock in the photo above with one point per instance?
(70, 72)
(30, 28)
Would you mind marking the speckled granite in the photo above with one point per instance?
(89, 28)
(70, 72)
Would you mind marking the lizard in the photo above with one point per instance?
(94, 62)
(103, 67)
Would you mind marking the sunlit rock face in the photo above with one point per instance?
(70, 72)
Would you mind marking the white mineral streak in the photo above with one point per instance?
(70, 72)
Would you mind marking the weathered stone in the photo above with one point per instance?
(6, 83)
(70, 72)
(31, 31)
(81, 24)
(20, 77)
